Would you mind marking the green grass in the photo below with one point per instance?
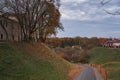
(109, 58)
(103, 55)
(114, 75)
(113, 70)
(17, 64)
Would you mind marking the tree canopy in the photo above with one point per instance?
(35, 17)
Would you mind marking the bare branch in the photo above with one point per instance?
(104, 2)
(112, 13)
(34, 15)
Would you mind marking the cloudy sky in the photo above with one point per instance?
(87, 18)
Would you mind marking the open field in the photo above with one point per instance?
(109, 59)
(103, 55)
(113, 69)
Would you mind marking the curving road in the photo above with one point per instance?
(88, 73)
(98, 75)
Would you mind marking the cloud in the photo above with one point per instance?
(72, 14)
(76, 1)
(85, 10)
(113, 34)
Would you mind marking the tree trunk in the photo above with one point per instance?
(2, 25)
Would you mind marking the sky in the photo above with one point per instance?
(87, 18)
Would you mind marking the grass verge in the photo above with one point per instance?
(24, 61)
(109, 58)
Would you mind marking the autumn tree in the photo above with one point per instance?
(40, 17)
(78, 40)
(52, 21)
(102, 40)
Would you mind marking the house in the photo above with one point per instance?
(77, 47)
(9, 29)
(114, 43)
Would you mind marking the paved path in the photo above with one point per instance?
(89, 73)
(98, 75)
(86, 74)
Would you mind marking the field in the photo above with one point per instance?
(109, 59)
(113, 69)
(23, 61)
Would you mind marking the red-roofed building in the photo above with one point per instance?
(115, 43)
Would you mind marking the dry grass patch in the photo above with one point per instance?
(75, 71)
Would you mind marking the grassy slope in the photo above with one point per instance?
(113, 69)
(31, 62)
(104, 55)
(109, 58)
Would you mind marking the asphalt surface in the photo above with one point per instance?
(98, 75)
(86, 74)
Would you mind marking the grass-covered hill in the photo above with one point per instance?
(103, 55)
(109, 59)
(31, 61)
(113, 69)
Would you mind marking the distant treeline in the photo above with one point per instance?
(84, 42)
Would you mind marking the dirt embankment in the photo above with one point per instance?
(74, 72)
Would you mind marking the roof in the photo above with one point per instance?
(11, 18)
(113, 41)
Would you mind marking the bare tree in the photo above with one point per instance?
(105, 2)
(32, 15)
